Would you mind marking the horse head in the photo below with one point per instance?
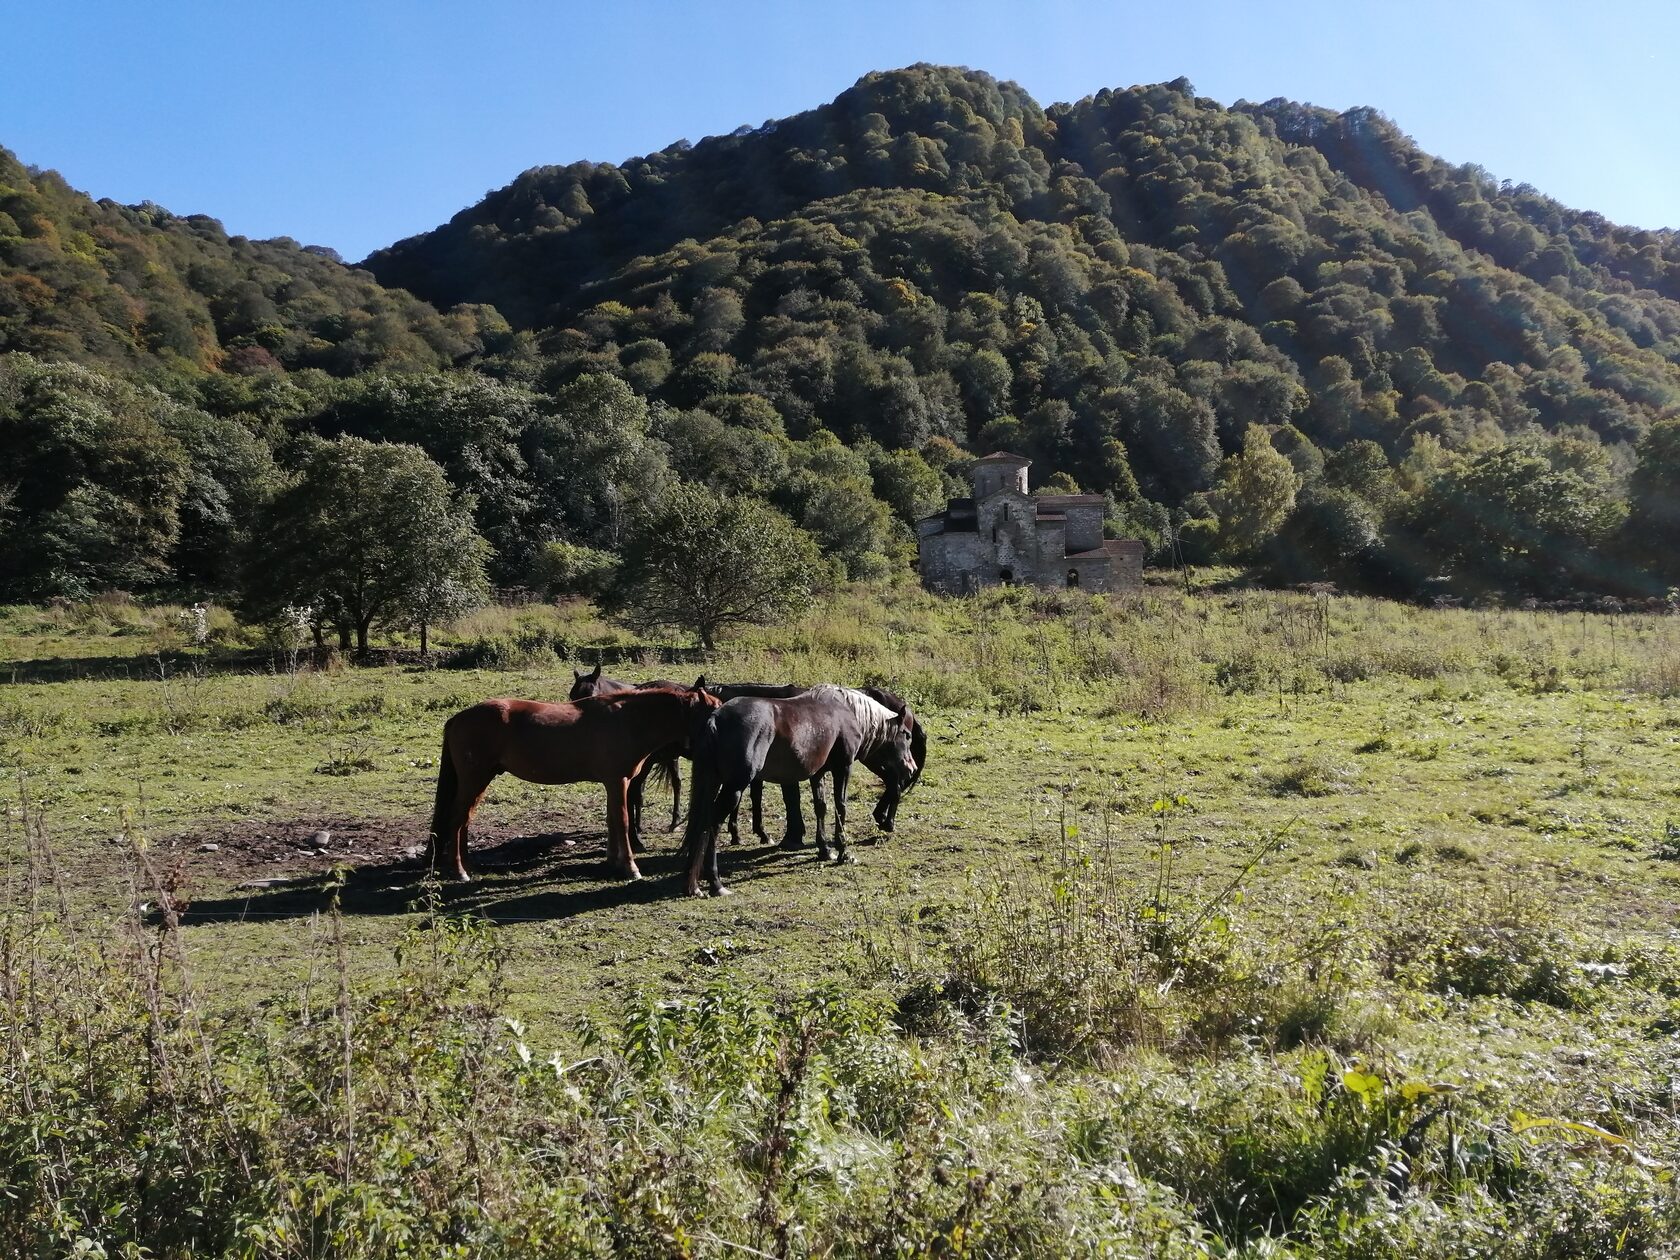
(585, 685)
(900, 733)
(918, 748)
(702, 705)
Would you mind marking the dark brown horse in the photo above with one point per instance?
(789, 741)
(879, 759)
(605, 739)
(663, 764)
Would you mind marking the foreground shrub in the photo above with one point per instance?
(1008, 1111)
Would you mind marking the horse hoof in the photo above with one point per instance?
(721, 891)
(791, 842)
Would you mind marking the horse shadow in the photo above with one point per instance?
(545, 877)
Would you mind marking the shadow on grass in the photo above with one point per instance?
(537, 878)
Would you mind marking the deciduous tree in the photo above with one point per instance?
(701, 562)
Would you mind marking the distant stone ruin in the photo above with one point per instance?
(1004, 535)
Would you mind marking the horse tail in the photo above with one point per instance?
(443, 807)
(669, 771)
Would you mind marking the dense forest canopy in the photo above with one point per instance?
(1272, 334)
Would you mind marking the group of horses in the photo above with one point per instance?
(739, 736)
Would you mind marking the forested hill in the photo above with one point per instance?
(1272, 335)
(934, 253)
(139, 289)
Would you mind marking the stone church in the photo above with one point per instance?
(1005, 535)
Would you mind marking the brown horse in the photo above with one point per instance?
(605, 739)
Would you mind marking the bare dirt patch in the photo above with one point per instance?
(256, 850)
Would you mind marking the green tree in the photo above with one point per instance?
(1653, 525)
(1510, 519)
(94, 477)
(906, 484)
(591, 458)
(367, 532)
(1332, 534)
(1255, 494)
(564, 568)
(701, 562)
(449, 560)
(473, 427)
(1171, 438)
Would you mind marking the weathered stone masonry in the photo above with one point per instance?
(1004, 534)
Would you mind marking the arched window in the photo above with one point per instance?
(1006, 576)
(1073, 577)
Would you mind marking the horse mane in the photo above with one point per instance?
(894, 702)
(871, 714)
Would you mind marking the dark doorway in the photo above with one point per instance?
(1006, 576)
(1073, 577)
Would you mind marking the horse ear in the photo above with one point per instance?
(595, 674)
(700, 683)
(577, 676)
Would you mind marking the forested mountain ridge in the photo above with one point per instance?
(860, 264)
(139, 289)
(1270, 334)
(1370, 150)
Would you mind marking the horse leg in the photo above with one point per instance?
(466, 804)
(620, 861)
(886, 809)
(711, 811)
(842, 775)
(795, 837)
(758, 811)
(819, 807)
(635, 811)
(713, 876)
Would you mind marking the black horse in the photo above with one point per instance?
(662, 765)
(788, 741)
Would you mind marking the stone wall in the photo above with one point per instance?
(1084, 526)
(947, 560)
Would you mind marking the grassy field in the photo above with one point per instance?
(1221, 923)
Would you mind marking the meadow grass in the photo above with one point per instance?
(1228, 922)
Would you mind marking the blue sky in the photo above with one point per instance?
(353, 124)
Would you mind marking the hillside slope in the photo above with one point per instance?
(136, 288)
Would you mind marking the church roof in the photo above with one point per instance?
(1111, 547)
(1057, 501)
(1003, 457)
